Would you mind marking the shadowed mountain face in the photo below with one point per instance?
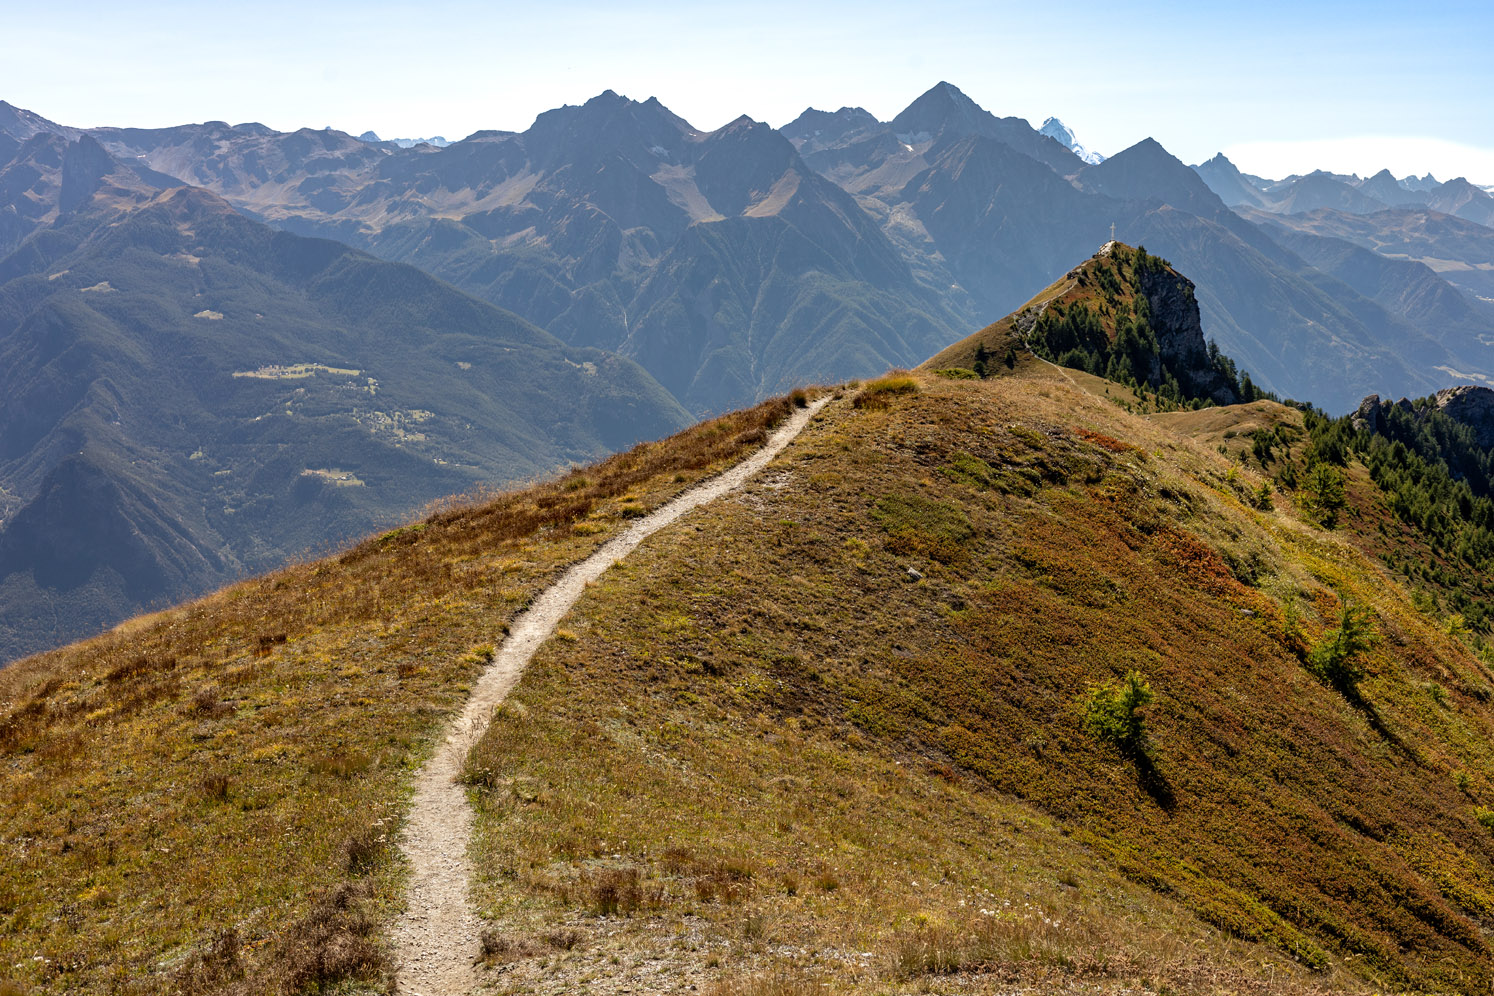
(1445, 226)
(734, 263)
(47, 177)
(1463, 199)
(992, 221)
(720, 261)
(1459, 252)
(187, 395)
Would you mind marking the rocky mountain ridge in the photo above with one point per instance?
(952, 214)
(187, 395)
(1352, 194)
(1123, 314)
(1007, 682)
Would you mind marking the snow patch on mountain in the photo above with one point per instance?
(1063, 135)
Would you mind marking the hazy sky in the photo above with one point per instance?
(1280, 87)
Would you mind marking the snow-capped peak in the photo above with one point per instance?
(1061, 133)
(405, 143)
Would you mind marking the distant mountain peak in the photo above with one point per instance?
(1055, 128)
(829, 125)
(949, 91)
(1148, 172)
(937, 108)
(1385, 188)
(372, 137)
(21, 124)
(1149, 151)
(1064, 135)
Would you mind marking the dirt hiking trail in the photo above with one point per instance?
(437, 939)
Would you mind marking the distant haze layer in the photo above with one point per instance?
(1366, 155)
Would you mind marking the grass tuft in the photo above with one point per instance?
(879, 394)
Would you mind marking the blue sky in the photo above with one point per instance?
(1280, 87)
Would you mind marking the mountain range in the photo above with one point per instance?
(727, 265)
(188, 395)
(652, 271)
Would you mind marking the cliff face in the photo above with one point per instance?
(1122, 314)
(1175, 319)
(1132, 317)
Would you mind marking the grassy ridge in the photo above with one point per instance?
(203, 799)
(828, 732)
(816, 761)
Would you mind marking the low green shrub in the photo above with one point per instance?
(1113, 712)
(1337, 657)
(919, 525)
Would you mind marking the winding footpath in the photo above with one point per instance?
(436, 940)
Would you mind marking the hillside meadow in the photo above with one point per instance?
(986, 685)
(203, 800)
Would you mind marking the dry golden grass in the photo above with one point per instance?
(823, 734)
(826, 772)
(203, 799)
(880, 393)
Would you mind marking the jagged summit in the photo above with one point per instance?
(942, 107)
(1226, 180)
(829, 125)
(1122, 313)
(1470, 405)
(21, 124)
(1386, 189)
(1064, 135)
(609, 106)
(435, 141)
(1148, 172)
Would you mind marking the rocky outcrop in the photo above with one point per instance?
(1180, 340)
(1466, 404)
(1369, 416)
(1472, 406)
